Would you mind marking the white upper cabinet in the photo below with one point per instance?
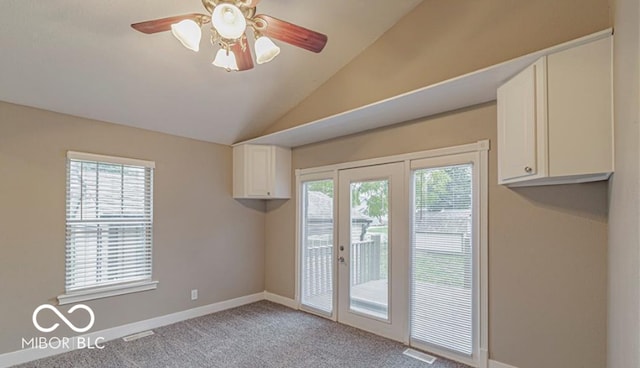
(262, 172)
(555, 119)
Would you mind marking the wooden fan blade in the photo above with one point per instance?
(243, 58)
(164, 24)
(292, 34)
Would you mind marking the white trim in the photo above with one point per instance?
(572, 179)
(317, 312)
(478, 153)
(83, 156)
(300, 179)
(483, 171)
(484, 356)
(287, 302)
(482, 145)
(106, 291)
(297, 294)
(495, 364)
(408, 193)
(462, 91)
(479, 235)
(27, 355)
(393, 325)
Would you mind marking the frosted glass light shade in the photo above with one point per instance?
(225, 60)
(266, 50)
(188, 33)
(229, 21)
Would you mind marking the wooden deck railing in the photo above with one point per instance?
(318, 256)
(318, 275)
(365, 260)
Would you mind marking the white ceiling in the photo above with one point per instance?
(82, 58)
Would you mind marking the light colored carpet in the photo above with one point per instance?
(262, 334)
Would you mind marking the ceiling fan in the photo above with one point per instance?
(230, 19)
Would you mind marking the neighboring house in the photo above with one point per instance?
(443, 231)
(320, 217)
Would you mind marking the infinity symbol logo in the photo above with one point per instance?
(63, 318)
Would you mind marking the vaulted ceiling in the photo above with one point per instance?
(82, 58)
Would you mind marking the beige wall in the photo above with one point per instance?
(203, 239)
(547, 246)
(624, 236)
(439, 40)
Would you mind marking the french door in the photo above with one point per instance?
(399, 249)
(372, 249)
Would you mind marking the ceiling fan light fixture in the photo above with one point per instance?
(266, 50)
(225, 59)
(188, 32)
(229, 21)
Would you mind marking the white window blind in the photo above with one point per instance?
(442, 290)
(317, 217)
(109, 221)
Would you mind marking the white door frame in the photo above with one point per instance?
(300, 180)
(482, 148)
(479, 249)
(395, 325)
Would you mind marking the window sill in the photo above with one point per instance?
(106, 291)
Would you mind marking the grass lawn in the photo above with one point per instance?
(377, 229)
(440, 268)
(433, 267)
(436, 268)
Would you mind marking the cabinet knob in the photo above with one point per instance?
(528, 169)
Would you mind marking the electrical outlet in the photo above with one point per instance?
(194, 294)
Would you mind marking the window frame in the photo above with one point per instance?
(480, 151)
(116, 288)
(479, 257)
(301, 180)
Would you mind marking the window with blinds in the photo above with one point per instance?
(109, 221)
(442, 285)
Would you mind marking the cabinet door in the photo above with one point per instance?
(517, 148)
(259, 171)
(580, 127)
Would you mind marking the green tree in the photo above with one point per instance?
(374, 195)
(443, 188)
(322, 186)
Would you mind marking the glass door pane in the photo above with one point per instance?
(317, 245)
(372, 259)
(442, 257)
(369, 234)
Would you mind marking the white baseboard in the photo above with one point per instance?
(287, 302)
(495, 364)
(27, 355)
